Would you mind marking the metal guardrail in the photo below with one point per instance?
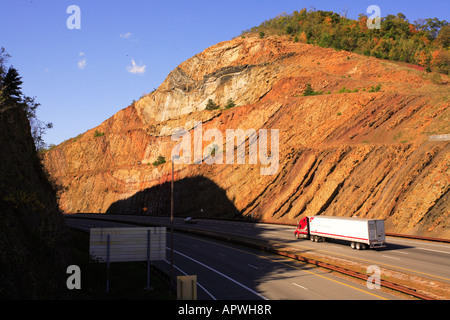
(418, 237)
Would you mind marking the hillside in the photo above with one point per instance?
(360, 147)
(33, 252)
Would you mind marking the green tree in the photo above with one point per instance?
(397, 39)
(98, 134)
(443, 37)
(432, 26)
(11, 97)
(309, 91)
(376, 88)
(230, 104)
(211, 105)
(159, 160)
(11, 87)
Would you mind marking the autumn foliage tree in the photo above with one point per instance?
(398, 39)
(440, 61)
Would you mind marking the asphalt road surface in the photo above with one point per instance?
(423, 258)
(231, 272)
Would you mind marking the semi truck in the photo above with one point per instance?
(361, 233)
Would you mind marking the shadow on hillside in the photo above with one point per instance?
(201, 197)
(197, 196)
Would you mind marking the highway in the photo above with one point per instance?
(231, 272)
(422, 258)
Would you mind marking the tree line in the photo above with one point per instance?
(424, 42)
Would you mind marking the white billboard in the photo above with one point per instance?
(128, 244)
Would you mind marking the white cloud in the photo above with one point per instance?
(135, 68)
(125, 35)
(82, 62)
(129, 36)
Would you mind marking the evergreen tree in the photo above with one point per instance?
(211, 105)
(11, 87)
(11, 97)
(230, 104)
(309, 91)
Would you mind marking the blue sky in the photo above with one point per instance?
(124, 49)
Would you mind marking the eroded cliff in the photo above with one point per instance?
(361, 148)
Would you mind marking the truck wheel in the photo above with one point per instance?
(358, 246)
(353, 245)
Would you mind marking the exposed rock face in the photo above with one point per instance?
(362, 153)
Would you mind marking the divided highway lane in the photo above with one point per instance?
(233, 272)
(424, 258)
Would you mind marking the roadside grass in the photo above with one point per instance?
(127, 280)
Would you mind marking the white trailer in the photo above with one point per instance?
(361, 233)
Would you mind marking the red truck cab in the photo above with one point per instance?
(302, 230)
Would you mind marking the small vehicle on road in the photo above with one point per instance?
(190, 220)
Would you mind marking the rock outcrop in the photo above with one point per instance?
(361, 148)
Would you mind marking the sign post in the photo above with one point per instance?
(128, 244)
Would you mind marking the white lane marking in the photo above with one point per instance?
(296, 284)
(252, 266)
(209, 293)
(221, 254)
(390, 257)
(337, 247)
(433, 250)
(195, 245)
(220, 273)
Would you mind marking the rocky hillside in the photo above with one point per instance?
(360, 146)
